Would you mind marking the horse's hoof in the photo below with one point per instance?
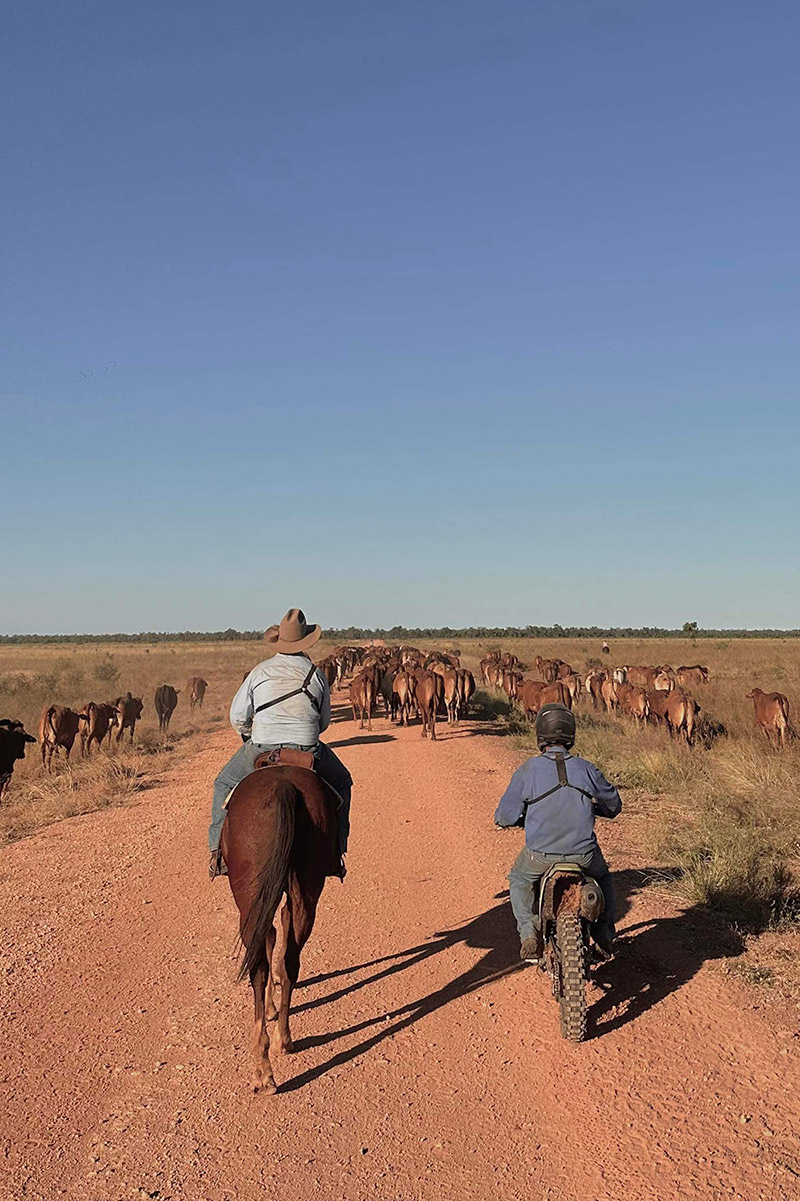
(264, 1085)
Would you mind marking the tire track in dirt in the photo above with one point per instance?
(429, 1062)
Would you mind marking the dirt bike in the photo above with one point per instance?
(569, 901)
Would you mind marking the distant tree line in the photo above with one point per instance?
(409, 634)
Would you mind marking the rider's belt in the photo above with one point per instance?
(563, 782)
(295, 692)
(285, 756)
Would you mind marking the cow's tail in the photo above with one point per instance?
(272, 881)
(48, 721)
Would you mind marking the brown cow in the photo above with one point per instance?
(573, 685)
(494, 675)
(403, 690)
(682, 713)
(687, 676)
(608, 693)
(98, 721)
(664, 681)
(563, 670)
(484, 665)
(165, 700)
(129, 710)
(772, 715)
(58, 726)
(642, 677)
(196, 688)
(556, 693)
(466, 690)
(509, 661)
(530, 697)
(594, 686)
(549, 670)
(657, 700)
(430, 691)
(451, 695)
(13, 740)
(633, 701)
(362, 697)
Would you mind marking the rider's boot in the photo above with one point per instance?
(531, 949)
(216, 865)
(603, 934)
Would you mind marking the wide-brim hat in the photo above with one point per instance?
(293, 635)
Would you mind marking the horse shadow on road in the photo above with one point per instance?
(491, 932)
(360, 739)
(654, 959)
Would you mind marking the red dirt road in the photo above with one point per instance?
(429, 1063)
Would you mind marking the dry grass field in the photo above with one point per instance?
(720, 826)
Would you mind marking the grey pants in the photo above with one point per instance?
(528, 869)
(329, 767)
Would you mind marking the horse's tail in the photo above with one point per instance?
(272, 881)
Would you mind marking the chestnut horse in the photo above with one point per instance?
(278, 841)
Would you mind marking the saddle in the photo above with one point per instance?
(284, 756)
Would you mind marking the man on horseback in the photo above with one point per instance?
(284, 702)
(555, 797)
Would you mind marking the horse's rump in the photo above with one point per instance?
(280, 822)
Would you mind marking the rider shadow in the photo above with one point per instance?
(492, 932)
(653, 959)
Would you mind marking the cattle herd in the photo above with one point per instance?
(658, 696)
(95, 724)
(407, 683)
(404, 680)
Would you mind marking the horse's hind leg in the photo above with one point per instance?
(263, 1080)
(298, 922)
(271, 1011)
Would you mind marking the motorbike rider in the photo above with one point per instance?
(284, 702)
(555, 797)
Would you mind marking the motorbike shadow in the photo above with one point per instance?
(654, 958)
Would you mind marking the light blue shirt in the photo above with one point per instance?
(293, 721)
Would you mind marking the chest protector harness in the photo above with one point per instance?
(563, 782)
(304, 688)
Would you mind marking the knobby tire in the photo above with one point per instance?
(572, 1001)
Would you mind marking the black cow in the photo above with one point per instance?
(165, 700)
(13, 741)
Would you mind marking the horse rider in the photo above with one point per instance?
(555, 797)
(284, 702)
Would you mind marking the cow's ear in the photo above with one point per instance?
(29, 738)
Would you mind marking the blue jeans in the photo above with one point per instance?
(329, 767)
(528, 869)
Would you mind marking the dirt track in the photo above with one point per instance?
(429, 1061)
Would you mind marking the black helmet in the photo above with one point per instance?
(555, 726)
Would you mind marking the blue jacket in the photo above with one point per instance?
(562, 823)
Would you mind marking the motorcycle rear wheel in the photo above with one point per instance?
(572, 993)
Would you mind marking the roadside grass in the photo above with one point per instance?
(82, 786)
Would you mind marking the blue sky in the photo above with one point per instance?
(447, 313)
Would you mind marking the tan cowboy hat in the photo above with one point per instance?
(293, 635)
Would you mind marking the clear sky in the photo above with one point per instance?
(472, 311)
